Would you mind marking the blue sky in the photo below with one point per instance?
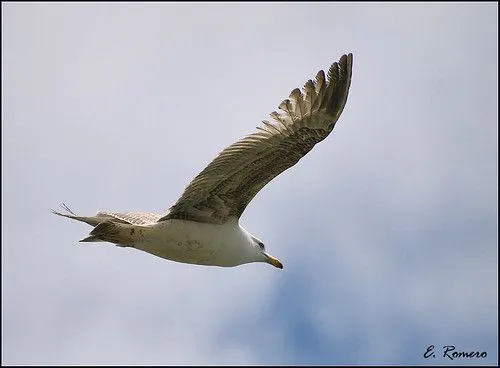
(387, 229)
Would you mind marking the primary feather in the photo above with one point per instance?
(226, 186)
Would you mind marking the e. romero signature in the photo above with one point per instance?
(450, 352)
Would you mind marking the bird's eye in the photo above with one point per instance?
(261, 245)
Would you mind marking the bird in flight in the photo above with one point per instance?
(202, 227)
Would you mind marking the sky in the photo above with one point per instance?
(387, 229)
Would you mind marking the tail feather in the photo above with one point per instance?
(112, 227)
(91, 238)
(116, 233)
(108, 231)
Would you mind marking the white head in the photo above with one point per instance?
(260, 255)
(240, 247)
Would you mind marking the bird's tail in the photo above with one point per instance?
(120, 234)
(108, 228)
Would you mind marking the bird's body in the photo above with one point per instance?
(184, 241)
(202, 227)
(199, 243)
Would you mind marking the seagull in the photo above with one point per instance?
(202, 227)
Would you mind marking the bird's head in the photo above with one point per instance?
(262, 255)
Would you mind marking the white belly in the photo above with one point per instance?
(198, 243)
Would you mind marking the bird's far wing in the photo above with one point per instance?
(226, 186)
(131, 218)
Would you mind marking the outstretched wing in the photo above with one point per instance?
(226, 186)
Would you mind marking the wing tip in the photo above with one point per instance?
(65, 208)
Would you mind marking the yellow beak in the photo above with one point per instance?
(275, 262)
